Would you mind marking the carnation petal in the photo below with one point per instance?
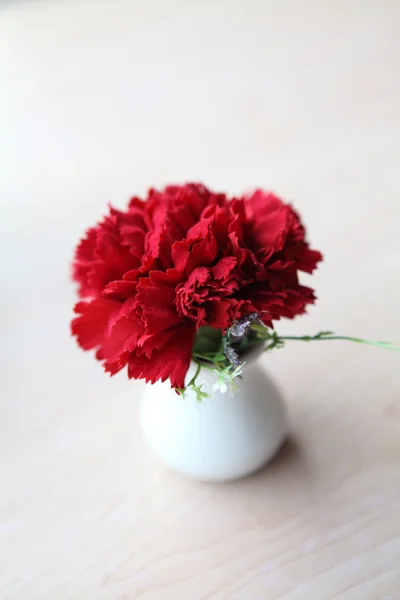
(219, 313)
(224, 267)
(93, 320)
(122, 337)
(171, 361)
(156, 295)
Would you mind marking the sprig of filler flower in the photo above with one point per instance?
(225, 354)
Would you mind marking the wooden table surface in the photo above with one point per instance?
(100, 100)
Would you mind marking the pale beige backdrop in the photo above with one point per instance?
(98, 101)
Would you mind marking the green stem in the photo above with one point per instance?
(208, 357)
(201, 365)
(193, 380)
(323, 337)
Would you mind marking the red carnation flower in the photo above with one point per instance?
(151, 276)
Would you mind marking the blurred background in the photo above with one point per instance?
(100, 100)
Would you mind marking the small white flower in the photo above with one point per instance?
(220, 385)
(223, 388)
(226, 379)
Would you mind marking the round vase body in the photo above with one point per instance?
(224, 436)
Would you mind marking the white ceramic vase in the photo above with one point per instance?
(221, 438)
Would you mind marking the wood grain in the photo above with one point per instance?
(102, 99)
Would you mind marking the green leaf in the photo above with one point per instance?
(207, 340)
